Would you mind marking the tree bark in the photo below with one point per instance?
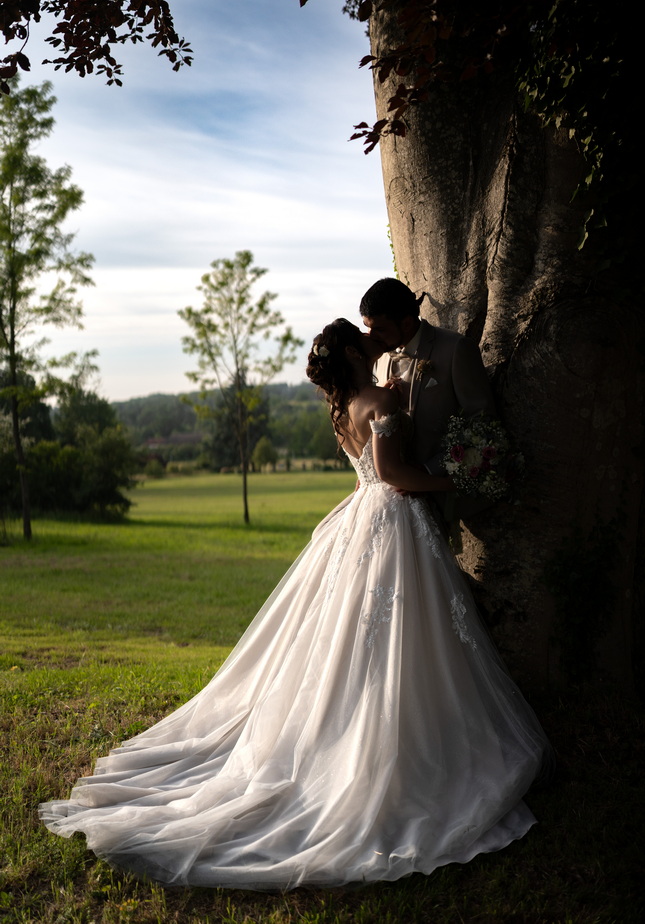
(242, 436)
(481, 218)
(21, 465)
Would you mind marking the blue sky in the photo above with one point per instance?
(247, 149)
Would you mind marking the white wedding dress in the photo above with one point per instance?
(363, 729)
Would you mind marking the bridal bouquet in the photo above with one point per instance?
(479, 459)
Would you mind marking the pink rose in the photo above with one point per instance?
(489, 452)
(473, 471)
(457, 453)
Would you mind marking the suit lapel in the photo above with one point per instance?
(424, 351)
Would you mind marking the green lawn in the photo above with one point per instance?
(183, 568)
(106, 628)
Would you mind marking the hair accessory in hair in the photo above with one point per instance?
(320, 350)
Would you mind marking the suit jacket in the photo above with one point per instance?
(447, 376)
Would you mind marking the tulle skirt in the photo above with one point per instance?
(364, 728)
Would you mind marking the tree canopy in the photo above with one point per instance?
(84, 34)
(569, 61)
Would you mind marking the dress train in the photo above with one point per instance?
(364, 728)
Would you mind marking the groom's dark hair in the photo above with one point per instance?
(391, 298)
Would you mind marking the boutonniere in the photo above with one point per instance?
(423, 367)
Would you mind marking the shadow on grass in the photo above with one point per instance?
(264, 525)
(581, 864)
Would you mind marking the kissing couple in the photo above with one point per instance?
(364, 727)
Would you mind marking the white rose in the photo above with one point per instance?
(472, 457)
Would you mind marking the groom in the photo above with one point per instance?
(441, 371)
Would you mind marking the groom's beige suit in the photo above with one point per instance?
(446, 375)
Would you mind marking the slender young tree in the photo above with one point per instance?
(35, 252)
(226, 339)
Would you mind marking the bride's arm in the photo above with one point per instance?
(386, 447)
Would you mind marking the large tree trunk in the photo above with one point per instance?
(481, 218)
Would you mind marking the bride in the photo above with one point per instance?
(363, 728)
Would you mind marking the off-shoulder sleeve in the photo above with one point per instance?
(386, 426)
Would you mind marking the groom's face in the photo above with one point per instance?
(385, 331)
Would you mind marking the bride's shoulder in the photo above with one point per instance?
(371, 404)
(385, 413)
(383, 401)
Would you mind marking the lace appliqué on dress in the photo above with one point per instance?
(386, 426)
(379, 521)
(382, 613)
(424, 526)
(458, 613)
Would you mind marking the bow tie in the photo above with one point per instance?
(400, 354)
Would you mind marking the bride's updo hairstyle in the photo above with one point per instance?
(329, 369)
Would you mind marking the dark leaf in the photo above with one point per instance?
(469, 72)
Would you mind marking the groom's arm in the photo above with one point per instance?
(472, 390)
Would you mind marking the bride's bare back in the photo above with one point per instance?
(370, 403)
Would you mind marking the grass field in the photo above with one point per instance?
(106, 628)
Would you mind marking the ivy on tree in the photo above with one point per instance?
(226, 338)
(571, 64)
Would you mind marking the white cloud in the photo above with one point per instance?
(245, 150)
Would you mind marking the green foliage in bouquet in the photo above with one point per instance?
(479, 458)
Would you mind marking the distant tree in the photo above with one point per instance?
(84, 33)
(225, 339)
(55, 473)
(108, 465)
(323, 443)
(108, 461)
(88, 477)
(264, 453)
(218, 419)
(79, 409)
(154, 468)
(83, 462)
(157, 416)
(35, 418)
(34, 203)
(294, 427)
